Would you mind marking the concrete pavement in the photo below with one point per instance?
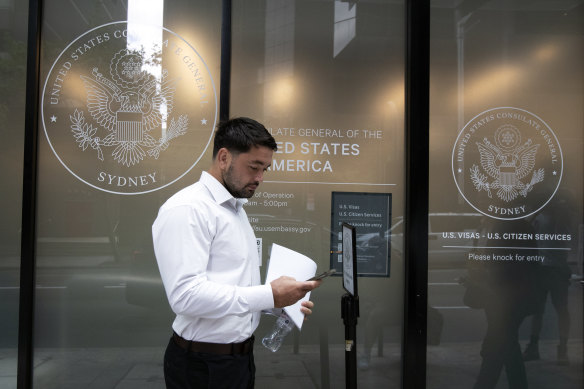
(450, 365)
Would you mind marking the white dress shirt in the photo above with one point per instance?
(207, 256)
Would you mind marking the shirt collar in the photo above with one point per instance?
(219, 192)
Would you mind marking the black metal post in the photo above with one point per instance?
(417, 112)
(350, 313)
(225, 85)
(29, 190)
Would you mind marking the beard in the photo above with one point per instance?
(235, 188)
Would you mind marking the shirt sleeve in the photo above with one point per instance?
(182, 239)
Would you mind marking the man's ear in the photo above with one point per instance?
(223, 158)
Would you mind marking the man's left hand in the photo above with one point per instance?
(306, 308)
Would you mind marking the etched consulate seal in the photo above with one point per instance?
(129, 108)
(507, 163)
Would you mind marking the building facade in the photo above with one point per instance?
(448, 133)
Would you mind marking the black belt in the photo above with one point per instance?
(244, 347)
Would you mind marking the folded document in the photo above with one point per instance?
(286, 262)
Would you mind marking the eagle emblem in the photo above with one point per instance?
(507, 162)
(129, 106)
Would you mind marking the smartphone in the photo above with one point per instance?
(323, 275)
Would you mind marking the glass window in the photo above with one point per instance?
(13, 35)
(129, 105)
(505, 248)
(327, 79)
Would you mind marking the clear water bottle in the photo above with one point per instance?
(274, 339)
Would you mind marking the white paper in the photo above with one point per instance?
(286, 262)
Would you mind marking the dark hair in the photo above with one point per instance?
(238, 135)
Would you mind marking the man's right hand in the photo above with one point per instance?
(287, 290)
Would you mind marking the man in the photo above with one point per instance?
(207, 256)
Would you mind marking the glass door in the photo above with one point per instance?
(327, 79)
(505, 224)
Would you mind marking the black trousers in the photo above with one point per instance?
(189, 370)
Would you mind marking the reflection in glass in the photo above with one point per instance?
(345, 25)
(13, 49)
(148, 42)
(326, 78)
(485, 56)
(555, 273)
(278, 71)
(102, 318)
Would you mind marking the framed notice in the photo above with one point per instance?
(370, 214)
(349, 259)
